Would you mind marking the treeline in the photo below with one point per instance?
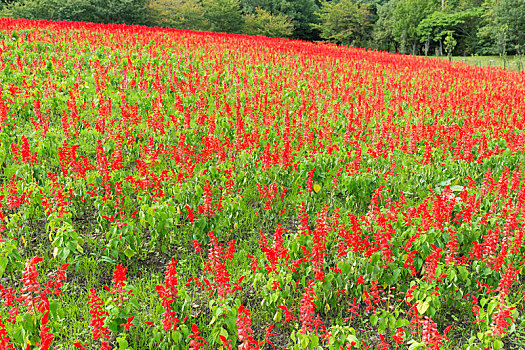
(460, 27)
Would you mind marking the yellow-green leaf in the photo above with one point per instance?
(422, 307)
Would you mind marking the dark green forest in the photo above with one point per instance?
(421, 27)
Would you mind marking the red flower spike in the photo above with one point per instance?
(319, 244)
(128, 323)
(307, 309)
(197, 342)
(98, 316)
(168, 293)
(4, 338)
(269, 334)
(226, 343)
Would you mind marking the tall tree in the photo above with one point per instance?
(262, 22)
(382, 33)
(302, 14)
(182, 14)
(503, 26)
(249, 6)
(406, 17)
(435, 27)
(101, 11)
(121, 11)
(511, 14)
(223, 15)
(345, 22)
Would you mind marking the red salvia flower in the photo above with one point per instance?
(501, 319)
(508, 278)
(98, 316)
(31, 291)
(244, 330)
(168, 293)
(226, 343)
(128, 323)
(5, 341)
(303, 219)
(197, 342)
(288, 315)
(46, 337)
(307, 309)
(208, 209)
(319, 244)
(268, 334)
(431, 263)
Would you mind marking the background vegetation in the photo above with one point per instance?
(429, 27)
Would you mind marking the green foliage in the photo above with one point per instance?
(223, 15)
(302, 14)
(98, 11)
(450, 44)
(382, 33)
(505, 21)
(345, 22)
(436, 26)
(406, 17)
(249, 6)
(182, 14)
(264, 23)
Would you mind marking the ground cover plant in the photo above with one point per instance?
(167, 189)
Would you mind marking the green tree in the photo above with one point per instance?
(345, 22)
(223, 15)
(503, 27)
(303, 15)
(122, 11)
(100, 11)
(436, 26)
(406, 17)
(300, 12)
(382, 33)
(182, 14)
(4, 3)
(262, 22)
(511, 15)
(249, 6)
(450, 44)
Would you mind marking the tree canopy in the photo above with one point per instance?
(345, 22)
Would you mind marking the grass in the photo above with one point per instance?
(513, 62)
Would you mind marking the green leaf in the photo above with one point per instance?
(129, 253)
(230, 323)
(422, 307)
(122, 343)
(402, 322)
(315, 341)
(498, 344)
(457, 188)
(176, 336)
(416, 345)
(3, 264)
(382, 323)
(373, 319)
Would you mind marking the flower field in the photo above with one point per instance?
(167, 189)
